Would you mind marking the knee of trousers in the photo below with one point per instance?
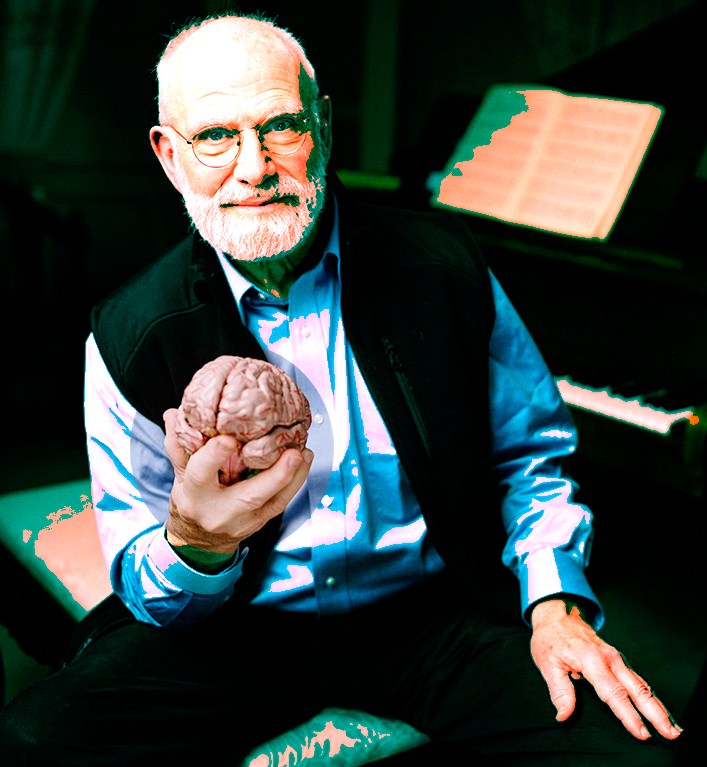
(30, 728)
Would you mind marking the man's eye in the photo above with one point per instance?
(215, 135)
(283, 123)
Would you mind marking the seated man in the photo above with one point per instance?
(369, 570)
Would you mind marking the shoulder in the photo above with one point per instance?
(427, 244)
(423, 260)
(152, 290)
(146, 307)
(426, 235)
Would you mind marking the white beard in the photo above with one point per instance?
(249, 234)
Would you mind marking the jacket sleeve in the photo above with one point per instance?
(549, 534)
(131, 480)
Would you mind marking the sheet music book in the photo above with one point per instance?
(547, 159)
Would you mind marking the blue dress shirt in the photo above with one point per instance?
(354, 533)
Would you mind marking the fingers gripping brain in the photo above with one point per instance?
(251, 399)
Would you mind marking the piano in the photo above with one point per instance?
(622, 322)
(627, 343)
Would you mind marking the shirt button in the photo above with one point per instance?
(330, 582)
(306, 332)
(318, 418)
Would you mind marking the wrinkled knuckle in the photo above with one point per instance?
(613, 656)
(644, 692)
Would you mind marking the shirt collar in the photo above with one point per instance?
(240, 285)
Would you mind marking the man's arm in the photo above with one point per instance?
(132, 479)
(549, 535)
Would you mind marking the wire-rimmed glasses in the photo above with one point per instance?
(218, 146)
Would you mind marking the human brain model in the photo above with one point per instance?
(255, 401)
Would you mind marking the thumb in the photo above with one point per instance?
(562, 692)
(205, 463)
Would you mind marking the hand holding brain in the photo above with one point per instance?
(252, 399)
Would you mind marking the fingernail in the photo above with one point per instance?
(677, 729)
(308, 456)
(645, 733)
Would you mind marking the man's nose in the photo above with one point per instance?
(252, 162)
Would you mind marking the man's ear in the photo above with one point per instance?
(163, 146)
(325, 124)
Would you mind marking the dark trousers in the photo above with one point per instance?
(136, 694)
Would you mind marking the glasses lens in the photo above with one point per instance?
(217, 147)
(284, 135)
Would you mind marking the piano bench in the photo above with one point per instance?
(49, 550)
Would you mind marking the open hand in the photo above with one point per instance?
(565, 647)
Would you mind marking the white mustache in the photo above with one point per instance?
(226, 197)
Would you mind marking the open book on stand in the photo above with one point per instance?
(543, 158)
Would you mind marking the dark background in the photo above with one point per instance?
(84, 204)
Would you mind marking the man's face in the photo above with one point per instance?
(262, 204)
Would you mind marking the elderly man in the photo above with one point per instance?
(371, 569)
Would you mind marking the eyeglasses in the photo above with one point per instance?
(218, 146)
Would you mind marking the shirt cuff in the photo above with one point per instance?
(177, 571)
(548, 572)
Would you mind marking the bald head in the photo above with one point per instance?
(244, 78)
(231, 52)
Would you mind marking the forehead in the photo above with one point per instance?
(231, 70)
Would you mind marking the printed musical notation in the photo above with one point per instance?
(547, 159)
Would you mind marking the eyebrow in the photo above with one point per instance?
(204, 124)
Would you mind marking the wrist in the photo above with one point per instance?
(555, 607)
(208, 562)
(181, 533)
